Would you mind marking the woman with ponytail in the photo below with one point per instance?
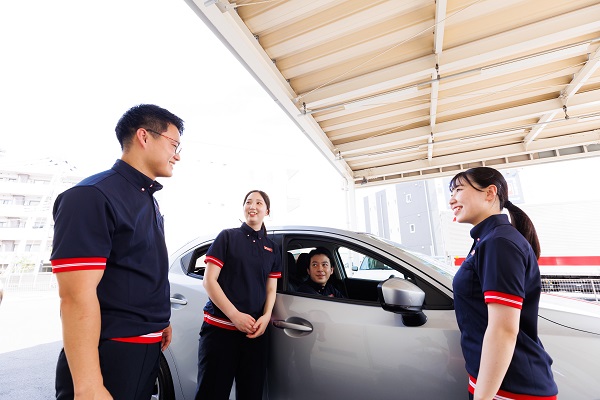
(242, 267)
(497, 292)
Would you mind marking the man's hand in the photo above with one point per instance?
(167, 336)
(94, 393)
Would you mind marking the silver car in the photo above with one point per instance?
(393, 337)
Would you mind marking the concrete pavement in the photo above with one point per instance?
(30, 339)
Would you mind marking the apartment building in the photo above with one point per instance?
(27, 193)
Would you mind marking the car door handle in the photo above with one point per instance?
(175, 300)
(290, 325)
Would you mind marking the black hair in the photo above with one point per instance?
(480, 178)
(320, 251)
(267, 203)
(145, 116)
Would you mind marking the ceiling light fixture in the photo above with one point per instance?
(501, 68)
(382, 99)
(534, 60)
(588, 117)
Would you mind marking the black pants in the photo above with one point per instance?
(129, 370)
(224, 355)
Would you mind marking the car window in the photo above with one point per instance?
(346, 263)
(199, 266)
(361, 266)
(296, 272)
(193, 262)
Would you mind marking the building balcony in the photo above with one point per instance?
(31, 235)
(23, 212)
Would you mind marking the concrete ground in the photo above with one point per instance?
(30, 339)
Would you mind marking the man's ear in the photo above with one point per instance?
(141, 136)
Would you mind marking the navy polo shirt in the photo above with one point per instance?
(502, 268)
(312, 287)
(247, 259)
(111, 221)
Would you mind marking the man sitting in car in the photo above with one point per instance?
(319, 270)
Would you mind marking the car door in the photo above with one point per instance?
(188, 298)
(323, 347)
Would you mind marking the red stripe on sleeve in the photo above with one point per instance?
(275, 275)
(504, 299)
(214, 260)
(78, 264)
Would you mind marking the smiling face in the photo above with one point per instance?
(472, 205)
(319, 269)
(163, 151)
(255, 210)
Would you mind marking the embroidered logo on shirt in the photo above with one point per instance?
(268, 248)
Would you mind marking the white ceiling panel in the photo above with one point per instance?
(394, 90)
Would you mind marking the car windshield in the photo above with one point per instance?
(439, 264)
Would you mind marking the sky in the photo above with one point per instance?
(70, 69)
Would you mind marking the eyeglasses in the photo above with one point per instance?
(177, 144)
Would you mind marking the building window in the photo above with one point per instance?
(32, 248)
(7, 245)
(412, 228)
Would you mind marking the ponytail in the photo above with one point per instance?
(523, 224)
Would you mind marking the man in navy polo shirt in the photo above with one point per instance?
(319, 271)
(111, 264)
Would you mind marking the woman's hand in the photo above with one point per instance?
(260, 326)
(244, 322)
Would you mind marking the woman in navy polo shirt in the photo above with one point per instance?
(242, 267)
(497, 292)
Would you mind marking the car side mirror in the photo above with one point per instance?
(403, 297)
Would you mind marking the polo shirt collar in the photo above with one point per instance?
(485, 226)
(317, 286)
(136, 178)
(249, 231)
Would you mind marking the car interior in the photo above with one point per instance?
(347, 258)
(297, 250)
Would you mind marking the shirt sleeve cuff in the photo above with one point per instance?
(213, 260)
(78, 264)
(504, 299)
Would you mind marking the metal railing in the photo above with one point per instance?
(580, 287)
(29, 282)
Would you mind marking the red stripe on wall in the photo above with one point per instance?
(564, 260)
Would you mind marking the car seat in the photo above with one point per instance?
(302, 263)
(291, 272)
